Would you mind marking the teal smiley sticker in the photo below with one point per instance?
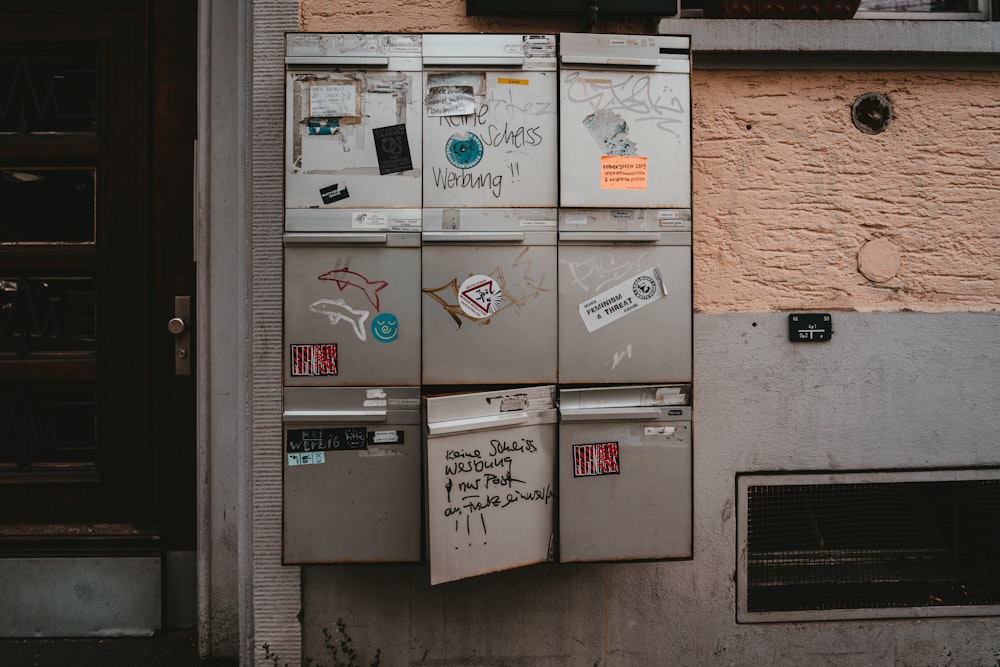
(385, 327)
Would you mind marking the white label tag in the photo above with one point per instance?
(615, 303)
(369, 220)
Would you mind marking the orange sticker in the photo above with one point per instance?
(623, 172)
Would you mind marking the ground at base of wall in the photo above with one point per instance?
(172, 648)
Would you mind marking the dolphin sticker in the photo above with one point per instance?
(337, 310)
(346, 278)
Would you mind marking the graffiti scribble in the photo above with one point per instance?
(346, 278)
(515, 296)
(337, 311)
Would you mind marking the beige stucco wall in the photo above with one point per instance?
(787, 192)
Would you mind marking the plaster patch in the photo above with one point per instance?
(879, 260)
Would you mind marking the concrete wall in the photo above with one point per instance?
(787, 193)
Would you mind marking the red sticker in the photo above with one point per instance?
(595, 459)
(313, 359)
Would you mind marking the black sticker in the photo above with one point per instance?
(332, 193)
(393, 149)
(326, 440)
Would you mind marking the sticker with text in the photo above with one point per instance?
(480, 296)
(591, 460)
(623, 172)
(624, 298)
(369, 220)
(333, 193)
(304, 440)
(313, 359)
(392, 148)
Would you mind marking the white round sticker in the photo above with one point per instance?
(480, 296)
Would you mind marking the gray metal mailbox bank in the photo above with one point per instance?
(487, 300)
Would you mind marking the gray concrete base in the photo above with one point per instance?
(79, 597)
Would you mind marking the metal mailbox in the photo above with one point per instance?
(490, 481)
(624, 296)
(625, 121)
(490, 121)
(625, 473)
(489, 296)
(352, 303)
(352, 475)
(353, 130)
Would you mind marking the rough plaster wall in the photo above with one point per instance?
(274, 603)
(787, 191)
(886, 392)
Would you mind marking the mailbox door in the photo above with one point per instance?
(352, 121)
(625, 121)
(610, 329)
(352, 310)
(490, 121)
(352, 475)
(624, 489)
(490, 481)
(489, 308)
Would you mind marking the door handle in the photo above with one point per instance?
(179, 326)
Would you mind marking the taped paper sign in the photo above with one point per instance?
(450, 101)
(480, 296)
(334, 100)
(626, 297)
(623, 172)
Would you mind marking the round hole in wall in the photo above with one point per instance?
(871, 113)
(749, 126)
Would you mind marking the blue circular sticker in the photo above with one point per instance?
(464, 150)
(385, 327)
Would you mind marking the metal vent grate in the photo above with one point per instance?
(881, 544)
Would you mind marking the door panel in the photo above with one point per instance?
(96, 202)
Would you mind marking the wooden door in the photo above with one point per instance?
(97, 118)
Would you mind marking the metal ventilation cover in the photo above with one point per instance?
(868, 545)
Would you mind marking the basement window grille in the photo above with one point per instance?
(867, 545)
